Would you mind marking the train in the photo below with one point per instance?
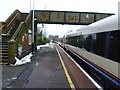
(98, 44)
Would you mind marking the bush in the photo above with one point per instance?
(40, 42)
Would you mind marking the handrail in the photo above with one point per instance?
(10, 21)
(15, 35)
(11, 16)
(16, 38)
(28, 17)
(21, 28)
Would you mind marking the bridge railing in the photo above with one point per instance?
(10, 21)
(17, 38)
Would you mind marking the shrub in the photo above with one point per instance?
(40, 42)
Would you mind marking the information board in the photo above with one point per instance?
(87, 18)
(72, 17)
(67, 17)
(42, 16)
(57, 17)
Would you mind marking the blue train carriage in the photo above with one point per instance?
(98, 44)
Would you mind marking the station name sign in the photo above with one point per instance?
(66, 17)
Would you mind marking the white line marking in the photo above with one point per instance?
(90, 78)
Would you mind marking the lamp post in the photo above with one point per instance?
(33, 13)
(42, 31)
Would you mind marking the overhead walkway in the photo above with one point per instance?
(15, 29)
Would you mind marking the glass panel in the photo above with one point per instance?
(87, 18)
(115, 46)
(57, 17)
(42, 16)
(100, 16)
(72, 17)
(88, 43)
(101, 39)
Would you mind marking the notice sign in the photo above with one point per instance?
(72, 17)
(66, 17)
(42, 16)
(57, 17)
(87, 18)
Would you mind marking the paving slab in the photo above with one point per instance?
(48, 72)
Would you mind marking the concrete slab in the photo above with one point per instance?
(45, 71)
(48, 72)
(10, 73)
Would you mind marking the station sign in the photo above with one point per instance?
(66, 17)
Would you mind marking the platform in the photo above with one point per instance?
(52, 68)
(48, 72)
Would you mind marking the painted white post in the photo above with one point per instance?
(33, 47)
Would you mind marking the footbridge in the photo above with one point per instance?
(16, 37)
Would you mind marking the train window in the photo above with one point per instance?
(114, 52)
(68, 40)
(94, 41)
(72, 41)
(80, 41)
(101, 38)
(75, 41)
(87, 43)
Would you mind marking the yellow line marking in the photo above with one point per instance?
(3, 63)
(66, 72)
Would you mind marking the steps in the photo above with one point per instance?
(13, 23)
(4, 49)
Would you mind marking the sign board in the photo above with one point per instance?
(87, 18)
(72, 18)
(66, 17)
(42, 16)
(57, 17)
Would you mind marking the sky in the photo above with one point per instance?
(101, 6)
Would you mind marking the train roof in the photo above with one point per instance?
(108, 24)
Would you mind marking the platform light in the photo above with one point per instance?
(42, 31)
(33, 48)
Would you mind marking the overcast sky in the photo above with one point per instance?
(101, 6)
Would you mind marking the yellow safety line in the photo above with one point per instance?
(66, 72)
(3, 63)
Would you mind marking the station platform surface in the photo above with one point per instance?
(49, 72)
(52, 68)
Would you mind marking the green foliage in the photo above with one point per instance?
(41, 42)
(62, 41)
